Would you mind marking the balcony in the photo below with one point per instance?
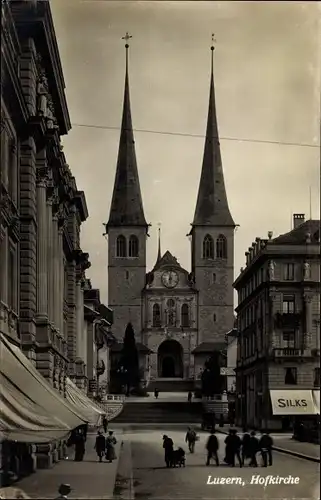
(291, 353)
(288, 320)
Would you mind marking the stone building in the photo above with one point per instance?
(180, 317)
(278, 323)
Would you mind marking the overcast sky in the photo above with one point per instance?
(267, 79)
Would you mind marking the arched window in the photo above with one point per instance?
(156, 315)
(121, 246)
(208, 247)
(185, 316)
(221, 247)
(133, 246)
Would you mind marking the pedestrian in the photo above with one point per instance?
(79, 447)
(266, 444)
(228, 448)
(236, 448)
(253, 449)
(105, 423)
(189, 397)
(156, 393)
(110, 447)
(100, 445)
(191, 439)
(168, 446)
(245, 445)
(212, 449)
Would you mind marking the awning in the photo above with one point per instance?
(79, 399)
(316, 398)
(31, 409)
(293, 402)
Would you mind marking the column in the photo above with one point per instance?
(50, 255)
(42, 283)
(78, 320)
(308, 322)
(61, 280)
(55, 249)
(4, 265)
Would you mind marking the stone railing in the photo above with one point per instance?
(113, 405)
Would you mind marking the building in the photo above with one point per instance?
(42, 264)
(278, 323)
(231, 352)
(180, 317)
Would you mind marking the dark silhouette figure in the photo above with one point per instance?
(105, 424)
(168, 446)
(156, 393)
(100, 446)
(189, 397)
(64, 490)
(245, 445)
(253, 448)
(233, 446)
(212, 446)
(190, 439)
(79, 447)
(266, 444)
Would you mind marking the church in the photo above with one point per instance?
(180, 317)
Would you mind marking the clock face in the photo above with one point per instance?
(170, 279)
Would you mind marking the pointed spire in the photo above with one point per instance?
(127, 205)
(212, 206)
(159, 254)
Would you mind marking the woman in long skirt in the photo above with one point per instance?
(110, 447)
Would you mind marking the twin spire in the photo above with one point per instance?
(127, 206)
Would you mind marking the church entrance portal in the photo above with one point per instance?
(170, 359)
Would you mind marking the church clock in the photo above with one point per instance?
(170, 279)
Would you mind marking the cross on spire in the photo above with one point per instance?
(126, 38)
(212, 49)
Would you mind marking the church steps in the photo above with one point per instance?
(158, 412)
(171, 385)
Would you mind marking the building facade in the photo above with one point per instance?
(278, 321)
(178, 315)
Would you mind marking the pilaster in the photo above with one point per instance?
(42, 260)
(55, 247)
(50, 253)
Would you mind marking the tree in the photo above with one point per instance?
(129, 359)
(211, 376)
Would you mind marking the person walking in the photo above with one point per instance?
(212, 446)
(236, 444)
(190, 439)
(156, 393)
(105, 423)
(79, 447)
(189, 397)
(253, 449)
(168, 446)
(111, 441)
(100, 445)
(265, 445)
(245, 445)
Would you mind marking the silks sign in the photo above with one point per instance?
(293, 402)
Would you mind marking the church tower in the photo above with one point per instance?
(212, 237)
(127, 231)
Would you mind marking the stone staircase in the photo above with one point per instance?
(171, 385)
(158, 412)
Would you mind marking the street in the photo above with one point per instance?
(153, 480)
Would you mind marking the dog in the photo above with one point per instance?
(178, 458)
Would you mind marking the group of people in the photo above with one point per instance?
(243, 449)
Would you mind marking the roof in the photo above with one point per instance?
(298, 236)
(141, 348)
(127, 205)
(212, 207)
(167, 260)
(210, 347)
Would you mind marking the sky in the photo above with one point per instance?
(267, 82)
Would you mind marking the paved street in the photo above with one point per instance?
(153, 480)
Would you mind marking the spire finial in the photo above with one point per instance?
(159, 254)
(126, 38)
(212, 49)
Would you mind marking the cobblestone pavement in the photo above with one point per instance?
(153, 481)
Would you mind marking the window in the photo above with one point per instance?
(133, 246)
(288, 304)
(126, 275)
(289, 272)
(290, 376)
(316, 382)
(171, 303)
(156, 315)
(214, 278)
(185, 315)
(121, 246)
(221, 247)
(289, 339)
(208, 247)
(214, 318)
(12, 280)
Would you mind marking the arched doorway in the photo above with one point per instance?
(170, 359)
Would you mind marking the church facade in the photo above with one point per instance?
(180, 316)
